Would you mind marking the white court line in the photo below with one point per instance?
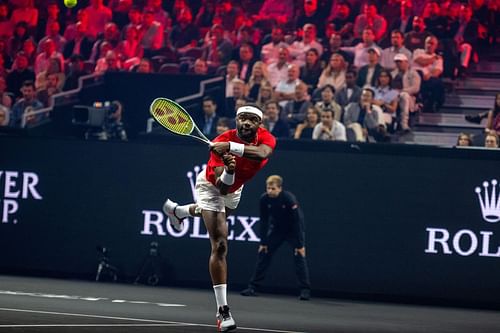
(88, 325)
(136, 319)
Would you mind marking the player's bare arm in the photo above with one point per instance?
(225, 174)
(260, 152)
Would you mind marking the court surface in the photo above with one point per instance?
(56, 305)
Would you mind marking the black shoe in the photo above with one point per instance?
(248, 292)
(305, 295)
(473, 119)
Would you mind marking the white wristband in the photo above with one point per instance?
(236, 148)
(227, 178)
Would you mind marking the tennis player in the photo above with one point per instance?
(235, 157)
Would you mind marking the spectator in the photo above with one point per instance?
(238, 94)
(25, 12)
(109, 63)
(185, 34)
(258, 78)
(430, 64)
(205, 16)
(29, 48)
(120, 9)
(70, 31)
(44, 23)
(231, 74)
(370, 19)
(435, 22)
(466, 38)
(265, 95)
(26, 104)
(311, 70)
(6, 26)
(334, 73)
(76, 70)
(218, 50)
(134, 20)
(464, 140)
(19, 74)
(151, 34)
(80, 44)
(272, 121)
(397, 40)
(4, 116)
(52, 87)
(391, 11)
(246, 61)
(298, 49)
(295, 110)
(335, 46)
(145, 66)
(305, 129)
(160, 15)
(223, 124)
(200, 67)
(350, 92)
(16, 42)
(491, 141)
(407, 81)
(363, 117)
(49, 52)
(59, 41)
(278, 71)
(311, 14)
(368, 74)
(403, 22)
(227, 14)
(275, 12)
(329, 128)
(208, 118)
(327, 102)
(493, 117)
(360, 51)
(415, 39)
(130, 50)
(342, 18)
(387, 99)
(111, 36)
(98, 15)
(270, 51)
(285, 89)
(5, 99)
(54, 67)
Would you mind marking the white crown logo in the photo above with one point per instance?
(490, 202)
(192, 178)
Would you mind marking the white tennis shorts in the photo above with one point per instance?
(208, 196)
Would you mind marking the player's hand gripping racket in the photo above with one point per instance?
(176, 119)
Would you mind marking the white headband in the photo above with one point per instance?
(250, 109)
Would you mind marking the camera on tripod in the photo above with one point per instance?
(96, 115)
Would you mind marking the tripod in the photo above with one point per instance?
(104, 267)
(152, 265)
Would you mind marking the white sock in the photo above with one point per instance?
(220, 294)
(182, 211)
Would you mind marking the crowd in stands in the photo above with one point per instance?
(320, 69)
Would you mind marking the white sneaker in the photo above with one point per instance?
(169, 209)
(225, 321)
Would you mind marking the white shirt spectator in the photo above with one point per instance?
(437, 63)
(337, 132)
(277, 73)
(387, 59)
(360, 52)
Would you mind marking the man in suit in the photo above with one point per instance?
(80, 45)
(272, 121)
(368, 74)
(207, 121)
(350, 93)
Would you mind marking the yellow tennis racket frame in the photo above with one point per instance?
(173, 117)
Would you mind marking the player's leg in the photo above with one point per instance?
(216, 225)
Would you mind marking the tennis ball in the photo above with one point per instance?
(70, 3)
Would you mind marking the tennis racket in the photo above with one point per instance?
(176, 119)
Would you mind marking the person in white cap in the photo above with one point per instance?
(407, 81)
(235, 157)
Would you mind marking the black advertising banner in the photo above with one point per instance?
(407, 222)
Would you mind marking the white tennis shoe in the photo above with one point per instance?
(225, 321)
(169, 209)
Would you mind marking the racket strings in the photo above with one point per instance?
(171, 117)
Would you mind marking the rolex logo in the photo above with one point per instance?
(192, 178)
(489, 200)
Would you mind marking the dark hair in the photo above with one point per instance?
(469, 138)
(385, 71)
(28, 83)
(209, 98)
(326, 86)
(496, 108)
(396, 31)
(223, 121)
(352, 71)
(370, 90)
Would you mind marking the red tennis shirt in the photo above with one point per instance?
(245, 168)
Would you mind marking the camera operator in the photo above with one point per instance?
(112, 127)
